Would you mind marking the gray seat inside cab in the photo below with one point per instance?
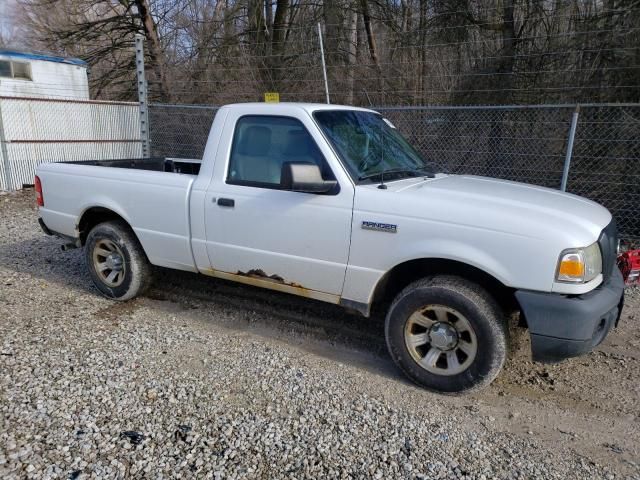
(253, 160)
(299, 147)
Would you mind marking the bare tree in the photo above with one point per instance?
(102, 32)
(402, 52)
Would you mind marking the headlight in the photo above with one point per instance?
(579, 265)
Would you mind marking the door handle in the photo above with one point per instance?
(226, 202)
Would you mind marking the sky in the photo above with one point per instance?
(6, 14)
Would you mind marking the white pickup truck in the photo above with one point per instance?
(331, 203)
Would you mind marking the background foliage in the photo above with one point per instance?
(379, 52)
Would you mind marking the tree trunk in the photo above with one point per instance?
(268, 8)
(278, 41)
(373, 50)
(280, 26)
(353, 51)
(424, 70)
(508, 54)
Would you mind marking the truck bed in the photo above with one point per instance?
(150, 194)
(156, 164)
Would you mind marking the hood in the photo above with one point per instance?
(501, 205)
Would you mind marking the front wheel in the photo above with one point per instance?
(116, 261)
(447, 334)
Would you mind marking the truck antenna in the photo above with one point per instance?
(382, 186)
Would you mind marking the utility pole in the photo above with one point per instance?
(324, 66)
(569, 153)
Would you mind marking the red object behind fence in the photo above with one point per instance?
(629, 265)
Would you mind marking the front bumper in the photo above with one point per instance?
(563, 326)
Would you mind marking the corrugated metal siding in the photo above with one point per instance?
(43, 130)
(4, 185)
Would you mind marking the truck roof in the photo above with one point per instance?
(308, 107)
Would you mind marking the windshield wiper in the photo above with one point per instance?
(418, 171)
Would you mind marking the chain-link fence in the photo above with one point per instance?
(514, 143)
(179, 130)
(529, 144)
(606, 163)
(521, 143)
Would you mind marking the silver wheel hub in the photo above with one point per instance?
(443, 336)
(108, 262)
(114, 262)
(441, 340)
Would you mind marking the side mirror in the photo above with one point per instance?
(304, 177)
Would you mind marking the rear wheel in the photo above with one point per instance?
(117, 264)
(447, 334)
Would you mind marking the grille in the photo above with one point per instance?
(608, 242)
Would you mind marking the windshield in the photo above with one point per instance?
(370, 146)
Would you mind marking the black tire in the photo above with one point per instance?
(136, 269)
(478, 310)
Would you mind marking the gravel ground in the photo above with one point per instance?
(206, 379)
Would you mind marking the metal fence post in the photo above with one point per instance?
(4, 153)
(567, 158)
(324, 66)
(142, 97)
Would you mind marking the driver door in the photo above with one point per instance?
(256, 230)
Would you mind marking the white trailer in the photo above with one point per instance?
(36, 75)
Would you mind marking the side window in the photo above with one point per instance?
(262, 144)
(5, 68)
(19, 70)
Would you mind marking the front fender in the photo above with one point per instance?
(501, 256)
(457, 251)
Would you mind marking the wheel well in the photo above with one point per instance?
(408, 272)
(93, 217)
